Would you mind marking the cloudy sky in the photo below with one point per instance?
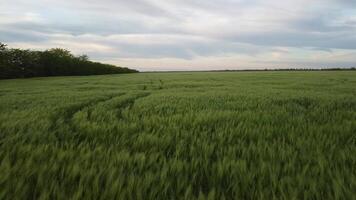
(188, 34)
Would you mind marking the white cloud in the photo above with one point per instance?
(188, 35)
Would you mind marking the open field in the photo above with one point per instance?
(247, 135)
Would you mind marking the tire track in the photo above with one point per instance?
(66, 115)
(64, 128)
(128, 103)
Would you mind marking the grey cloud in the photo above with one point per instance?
(9, 36)
(229, 27)
(320, 23)
(300, 39)
(310, 64)
(102, 28)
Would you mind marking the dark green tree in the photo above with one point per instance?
(17, 63)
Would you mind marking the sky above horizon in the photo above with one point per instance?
(155, 35)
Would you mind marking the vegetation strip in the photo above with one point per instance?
(226, 135)
(19, 63)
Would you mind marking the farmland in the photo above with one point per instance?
(187, 135)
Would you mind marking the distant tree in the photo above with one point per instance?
(60, 53)
(2, 52)
(2, 46)
(3, 69)
(16, 63)
(83, 57)
(57, 61)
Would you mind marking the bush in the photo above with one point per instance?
(18, 63)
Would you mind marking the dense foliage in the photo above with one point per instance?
(233, 135)
(18, 63)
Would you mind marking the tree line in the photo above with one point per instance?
(20, 63)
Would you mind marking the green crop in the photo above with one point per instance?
(206, 135)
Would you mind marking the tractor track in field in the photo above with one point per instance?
(67, 114)
(128, 104)
(64, 117)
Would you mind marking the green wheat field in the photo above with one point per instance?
(187, 135)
